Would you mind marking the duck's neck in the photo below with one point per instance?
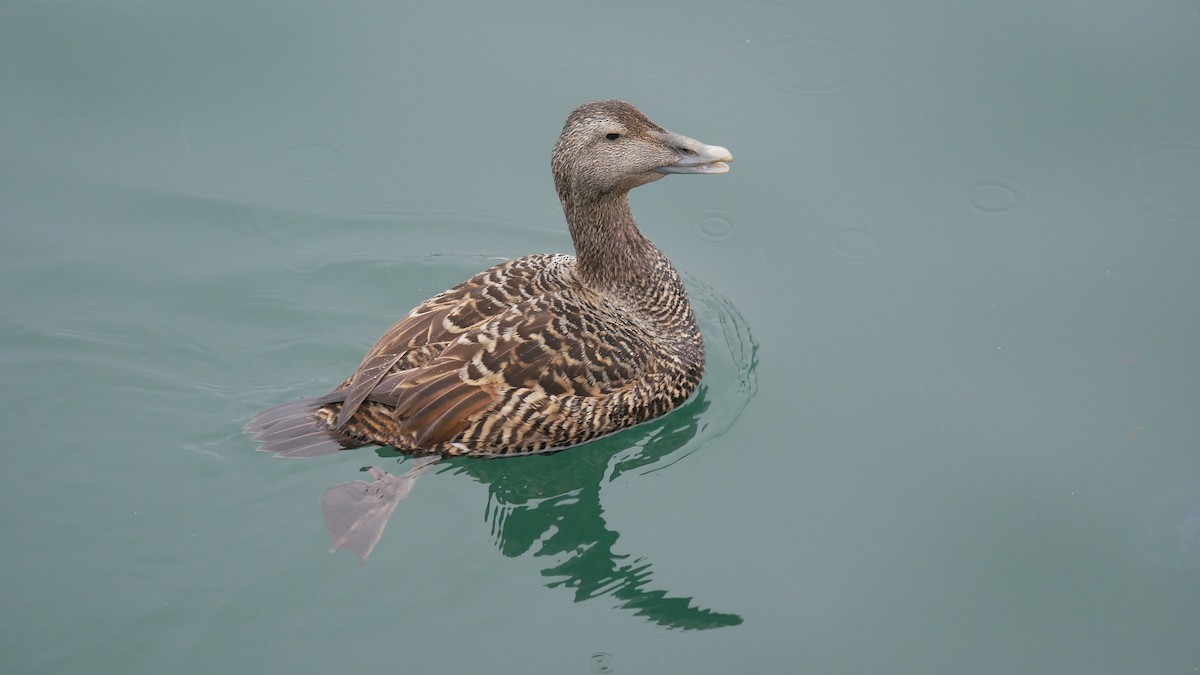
(610, 251)
(612, 256)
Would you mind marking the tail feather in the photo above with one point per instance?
(289, 430)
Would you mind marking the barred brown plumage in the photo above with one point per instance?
(543, 352)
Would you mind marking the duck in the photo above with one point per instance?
(540, 353)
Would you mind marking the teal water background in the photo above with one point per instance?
(952, 423)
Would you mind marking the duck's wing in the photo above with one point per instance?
(426, 330)
(421, 332)
(511, 367)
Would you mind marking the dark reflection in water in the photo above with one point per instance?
(550, 507)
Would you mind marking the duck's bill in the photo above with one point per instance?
(694, 156)
(713, 167)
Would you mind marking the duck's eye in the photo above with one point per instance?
(613, 136)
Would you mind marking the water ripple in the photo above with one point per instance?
(732, 360)
(601, 662)
(993, 196)
(855, 243)
(314, 161)
(716, 226)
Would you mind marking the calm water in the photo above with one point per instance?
(952, 422)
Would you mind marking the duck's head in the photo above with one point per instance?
(609, 147)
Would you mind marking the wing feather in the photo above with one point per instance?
(474, 375)
(439, 320)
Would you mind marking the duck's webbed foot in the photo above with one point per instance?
(357, 512)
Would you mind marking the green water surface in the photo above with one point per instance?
(950, 288)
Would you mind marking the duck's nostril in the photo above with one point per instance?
(688, 151)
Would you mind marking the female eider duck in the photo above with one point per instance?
(543, 352)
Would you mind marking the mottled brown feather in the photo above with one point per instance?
(436, 320)
(440, 421)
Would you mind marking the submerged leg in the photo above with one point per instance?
(357, 512)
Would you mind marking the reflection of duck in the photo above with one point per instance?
(550, 507)
(564, 520)
(543, 352)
